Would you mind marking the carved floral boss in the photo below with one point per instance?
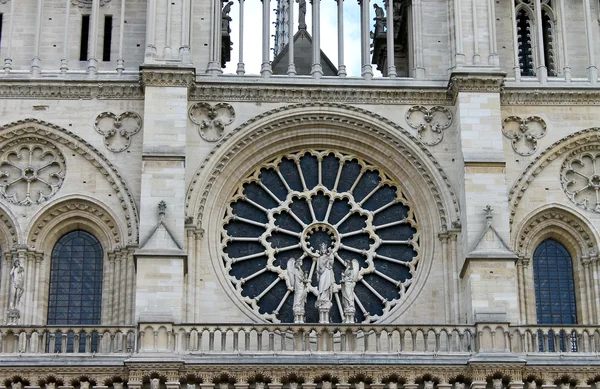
(30, 173)
(117, 130)
(429, 123)
(211, 120)
(524, 133)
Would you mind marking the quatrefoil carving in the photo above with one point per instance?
(117, 130)
(524, 133)
(430, 123)
(212, 120)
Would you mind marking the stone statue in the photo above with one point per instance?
(301, 14)
(379, 20)
(326, 282)
(296, 281)
(225, 18)
(17, 286)
(154, 383)
(349, 279)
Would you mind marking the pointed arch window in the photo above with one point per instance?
(555, 290)
(75, 295)
(529, 33)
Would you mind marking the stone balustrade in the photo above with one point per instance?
(67, 339)
(235, 339)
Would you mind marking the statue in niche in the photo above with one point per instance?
(17, 285)
(349, 279)
(154, 383)
(301, 14)
(326, 282)
(379, 20)
(296, 281)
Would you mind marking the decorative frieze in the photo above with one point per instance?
(473, 82)
(167, 76)
(65, 90)
(549, 96)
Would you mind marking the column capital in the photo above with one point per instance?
(482, 82)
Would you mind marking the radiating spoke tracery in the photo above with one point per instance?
(299, 206)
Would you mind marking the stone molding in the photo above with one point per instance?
(334, 118)
(9, 227)
(547, 96)
(583, 138)
(210, 375)
(75, 90)
(554, 218)
(36, 127)
(161, 76)
(310, 93)
(87, 3)
(474, 82)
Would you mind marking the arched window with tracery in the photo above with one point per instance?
(554, 287)
(75, 294)
(528, 33)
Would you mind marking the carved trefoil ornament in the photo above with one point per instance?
(524, 133)
(30, 173)
(580, 179)
(430, 123)
(118, 130)
(212, 120)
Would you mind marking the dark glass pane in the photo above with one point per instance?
(76, 267)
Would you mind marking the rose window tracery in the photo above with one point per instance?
(30, 173)
(294, 213)
(580, 178)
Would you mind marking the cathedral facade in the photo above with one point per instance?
(417, 208)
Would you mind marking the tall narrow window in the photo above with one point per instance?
(548, 36)
(75, 296)
(85, 35)
(524, 29)
(1, 20)
(108, 21)
(554, 290)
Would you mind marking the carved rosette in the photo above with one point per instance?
(30, 173)
(292, 205)
(211, 120)
(524, 133)
(117, 130)
(580, 179)
(430, 123)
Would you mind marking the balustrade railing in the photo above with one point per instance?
(235, 339)
(67, 339)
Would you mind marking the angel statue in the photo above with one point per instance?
(326, 282)
(296, 281)
(349, 279)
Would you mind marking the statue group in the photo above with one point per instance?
(298, 283)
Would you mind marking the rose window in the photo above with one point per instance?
(30, 174)
(301, 213)
(581, 180)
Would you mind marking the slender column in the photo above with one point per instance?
(184, 50)
(111, 289)
(584, 292)
(291, 66)
(563, 28)
(340, 23)
(516, 66)
(391, 59)
(35, 61)
(8, 59)
(476, 56)
(520, 283)
(445, 260)
(150, 31)
(457, 301)
(214, 65)
(592, 69)
(131, 287)
(117, 289)
(589, 288)
(317, 69)
(265, 67)
(367, 69)
(460, 56)
(123, 288)
(37, 315)
(417, 12)
(595, 275)
(240, 66)
(29, 286)
(526, 284)
(167, 50)
(4, 271)
(93, 43)
(120, 60)
(493, 57)
(64, 62)
(197, 248)
(542, 70)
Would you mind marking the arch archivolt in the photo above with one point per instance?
(9, 229)
(555, 221)
(305, 126)
(51, 135)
